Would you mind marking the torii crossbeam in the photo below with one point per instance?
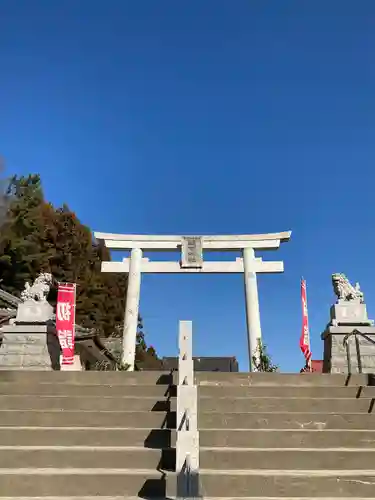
(192, 261)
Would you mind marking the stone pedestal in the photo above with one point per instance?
(33, 312)
(29, 347)
(336, 355)
(352, 313)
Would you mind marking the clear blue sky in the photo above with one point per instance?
(205, 117)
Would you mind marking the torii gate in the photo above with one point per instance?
(192, 261)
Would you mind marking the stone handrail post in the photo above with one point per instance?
(187, 445)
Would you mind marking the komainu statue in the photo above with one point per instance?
(39, 290)
(344, 290)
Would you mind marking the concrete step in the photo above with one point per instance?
(88, 377)
(164, 438)
(285, 391)
(209, 420)
(52, 436)
(128, 419)
(285, 459)
(169, 498)
(85, 497)
(264, 485)
(84, 403)
(283, 439)
(203, 378)
(282, 379)
(308, 405)
(86, 457)
(90, 497)
(50, 389)
(291, 485)
(285, 420)
(18, 483)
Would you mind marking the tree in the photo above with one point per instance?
(146, 357)
(75, 257)
(21, 254)
(262, 360)
(36, 237)
(3, 195)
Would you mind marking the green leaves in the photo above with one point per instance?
(37, 237)
(261, 360)
(22, 256)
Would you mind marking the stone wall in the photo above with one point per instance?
(336, 355)
(37, 349)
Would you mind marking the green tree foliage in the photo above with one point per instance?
(36, 237)
(3, 195)
(21, 252)
(145, 357)
(262, 360)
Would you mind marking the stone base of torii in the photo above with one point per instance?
(192, 261)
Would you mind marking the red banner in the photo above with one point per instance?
(304, 342)
(65, 320)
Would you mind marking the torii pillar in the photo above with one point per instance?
(192, 262)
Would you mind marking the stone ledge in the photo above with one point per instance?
(24, 360)
(344, 330)
(33, 349)
(25, 329)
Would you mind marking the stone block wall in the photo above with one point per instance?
(336, 356)
(29, 350)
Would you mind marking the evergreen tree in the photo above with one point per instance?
(36, 237)
(21, 254)
(3, 195)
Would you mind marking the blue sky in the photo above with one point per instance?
(205, 117)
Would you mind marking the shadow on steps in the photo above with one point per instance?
(162, 439)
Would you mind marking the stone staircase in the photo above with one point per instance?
(84, 435)
(109, 435)
(270, 436)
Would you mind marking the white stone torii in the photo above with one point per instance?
(192, 262)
